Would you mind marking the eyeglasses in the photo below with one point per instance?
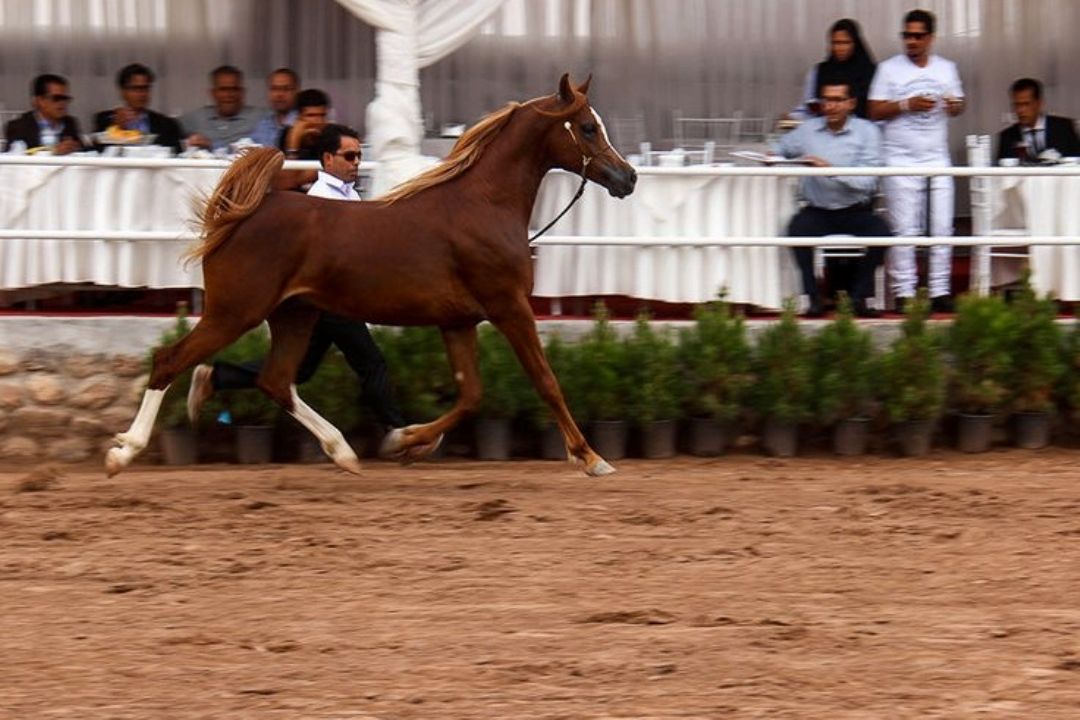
(349, 155)
(58, 98)
(913, 35)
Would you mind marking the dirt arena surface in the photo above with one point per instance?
(740, 587)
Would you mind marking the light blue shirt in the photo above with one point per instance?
(857, 144)
(221, 131)
(267, 131)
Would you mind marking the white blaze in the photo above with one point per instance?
(603, 132)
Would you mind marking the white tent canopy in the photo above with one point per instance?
(411, 34)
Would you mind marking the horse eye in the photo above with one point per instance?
(589, 128)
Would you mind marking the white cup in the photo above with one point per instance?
(1009, 162)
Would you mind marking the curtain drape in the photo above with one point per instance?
(410, 35)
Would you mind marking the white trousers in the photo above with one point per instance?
(905, 198)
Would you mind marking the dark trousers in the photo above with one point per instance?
(360, 351)
(858, 220)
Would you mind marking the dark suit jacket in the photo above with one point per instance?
(25, 128)
(166, 128)
(1060, 135)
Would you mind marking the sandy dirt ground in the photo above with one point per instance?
(740, 587)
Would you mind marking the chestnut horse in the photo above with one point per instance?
(448, 248)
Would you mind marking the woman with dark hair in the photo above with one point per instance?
(848, 58)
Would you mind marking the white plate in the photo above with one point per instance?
(103, 138)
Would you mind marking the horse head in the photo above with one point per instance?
(579, 143)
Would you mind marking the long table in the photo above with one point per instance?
(683, 205)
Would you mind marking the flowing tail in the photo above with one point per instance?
(238, 194)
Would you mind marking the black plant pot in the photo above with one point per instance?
(850, 436)
(1031, 430)
(913, 437)
(552, 445)
(254, 444)
(179, 446)
(974, 433)
(493, 438)
(658, 439)
(708, 437)
(608, 438)
(780, 438)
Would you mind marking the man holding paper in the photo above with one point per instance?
(841, 204)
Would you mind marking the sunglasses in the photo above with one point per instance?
(349, 155)
(58, 98)
(913, 35)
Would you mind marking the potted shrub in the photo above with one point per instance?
(603, 386)
(251, 412)
(654, 387)
(980, 343)
(504, 383)
(844, 377)
(565, 362)
(913, 381)
(715, 355)
(1037, 366)
(178, 439)
(783, 391)
(1069, 390)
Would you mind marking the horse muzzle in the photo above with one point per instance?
(619, 181)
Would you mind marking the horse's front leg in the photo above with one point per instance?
(519, 327)
(415, 441)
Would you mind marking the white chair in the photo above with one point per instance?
(691, 133)
(823, 252)
(984, 208)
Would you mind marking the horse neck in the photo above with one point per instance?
(511, 169)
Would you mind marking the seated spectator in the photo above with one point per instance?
(217, 126)
(300, 141)
(1034, 131)
(840, 205)
(135, 82)
(48, 125)
(282, 85)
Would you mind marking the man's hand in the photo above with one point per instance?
(124, 116)
(920, 103)
(301, 134)
(815, 161)
(954, 105)
(66, 146)
(198, 140)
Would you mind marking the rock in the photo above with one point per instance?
(81, 366)
(117, 419)
(41, 422)
(135, 391)
(9, 362)
(88, 426)
(12, 395)
(95, 393)
(72, 449)
(41, 361)
(19, 449)
(45, 389)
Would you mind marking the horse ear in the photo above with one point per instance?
(566, 92)
(583, 88)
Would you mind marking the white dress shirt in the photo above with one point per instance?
(328, 186)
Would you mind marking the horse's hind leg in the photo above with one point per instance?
(519, 326)
(209, 335)
(290, 334)
(415, 441)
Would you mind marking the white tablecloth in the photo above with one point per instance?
(1043, 206)
(669, 205)
(98, 198)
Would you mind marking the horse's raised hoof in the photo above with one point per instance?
(349, 463)
(600, 468)
(394, 447)
(200, 391)
(419, 452)
(116, 460)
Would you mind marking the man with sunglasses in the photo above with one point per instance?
(48, 125)
(135, 82)
(915, 94)
(339, 154)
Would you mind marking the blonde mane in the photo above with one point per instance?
(467, 150)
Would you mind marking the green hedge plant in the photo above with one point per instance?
(783, 367)
(654, 381)
(602, 371)
(981, 341)
(844, 369)
(1037, 364)
(506, 387)
(716, 357)
(913, 369)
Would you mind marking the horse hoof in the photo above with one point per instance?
(600, 468)
(115, 461)
(419, 452)
(390, 448)
(349, 463)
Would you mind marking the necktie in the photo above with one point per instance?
(1036, 147)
